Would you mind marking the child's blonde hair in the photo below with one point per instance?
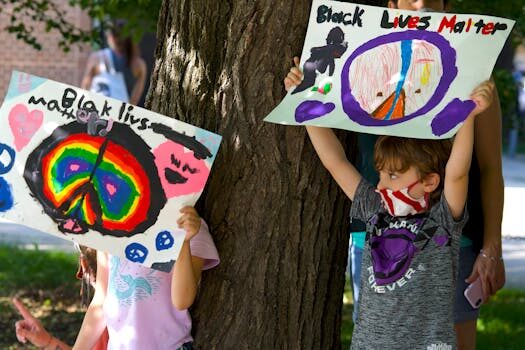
(427, 156)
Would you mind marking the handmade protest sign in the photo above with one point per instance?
(389, 71)
(98, 171)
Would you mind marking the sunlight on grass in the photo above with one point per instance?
(502, 322)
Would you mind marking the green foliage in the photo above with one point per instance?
(35, 269)
(501, 324)
(507, 91)
(512, 9)
(24, 15)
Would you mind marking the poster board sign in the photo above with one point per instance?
(389, 71)
(98, 171)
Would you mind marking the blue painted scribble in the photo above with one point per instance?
(164, 240)
(136, 252)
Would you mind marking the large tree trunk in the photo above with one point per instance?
(278, 220)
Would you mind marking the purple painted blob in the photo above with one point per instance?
(392, 254)
(453, 114)
(441, 240)
(309, 110)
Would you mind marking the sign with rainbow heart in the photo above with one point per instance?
(389, 71)
(98, 171)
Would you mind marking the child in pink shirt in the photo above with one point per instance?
(142, 308)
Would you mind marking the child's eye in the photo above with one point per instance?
(392, 176)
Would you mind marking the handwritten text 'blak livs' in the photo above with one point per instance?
(71, 101)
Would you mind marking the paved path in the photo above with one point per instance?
(22, 236)
(513, 227)
(514, 256)
(513, 210)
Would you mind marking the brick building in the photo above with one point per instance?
(50, 62)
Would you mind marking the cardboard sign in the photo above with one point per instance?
(98, 171)
(389, 71)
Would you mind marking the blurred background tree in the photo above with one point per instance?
(141, 17)
(514, 9)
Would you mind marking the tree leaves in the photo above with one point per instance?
(25, 16)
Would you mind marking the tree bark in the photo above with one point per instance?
(277, 218)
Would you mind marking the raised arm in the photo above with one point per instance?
(458, 165)
(139, 70)
(333, 157)
(90, 71)
(327, 145)
(187, 270)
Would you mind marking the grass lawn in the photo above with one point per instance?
(501, 325)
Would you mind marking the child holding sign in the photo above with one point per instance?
(414, 220)
(141, 307)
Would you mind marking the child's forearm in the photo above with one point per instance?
(327, 146)
(333, 157)
(458, 164)
(185, 279)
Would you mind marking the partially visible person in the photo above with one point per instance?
(414, 219)
(481, 249)
(87, 273)
(123, 56)
(142, 308)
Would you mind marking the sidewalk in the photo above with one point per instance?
(513, 226)
(514, 176)
(514, 256)
(27, 238)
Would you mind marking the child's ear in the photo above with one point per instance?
(431, 182)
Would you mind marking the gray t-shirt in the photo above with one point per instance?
(408, 276)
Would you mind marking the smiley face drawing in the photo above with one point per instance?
(400, 76)
(180, 171)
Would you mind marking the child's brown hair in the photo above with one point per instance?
(427, 156)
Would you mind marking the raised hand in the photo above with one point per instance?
(483, 95)
(30, 328)
(190, 221)
(294, 77)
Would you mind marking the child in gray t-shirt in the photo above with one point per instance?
(414, 219)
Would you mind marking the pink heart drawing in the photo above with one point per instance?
(24, 124)
(179, 171)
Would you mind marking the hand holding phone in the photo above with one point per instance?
(474, 294)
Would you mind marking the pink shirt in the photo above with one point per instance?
(138, 308)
